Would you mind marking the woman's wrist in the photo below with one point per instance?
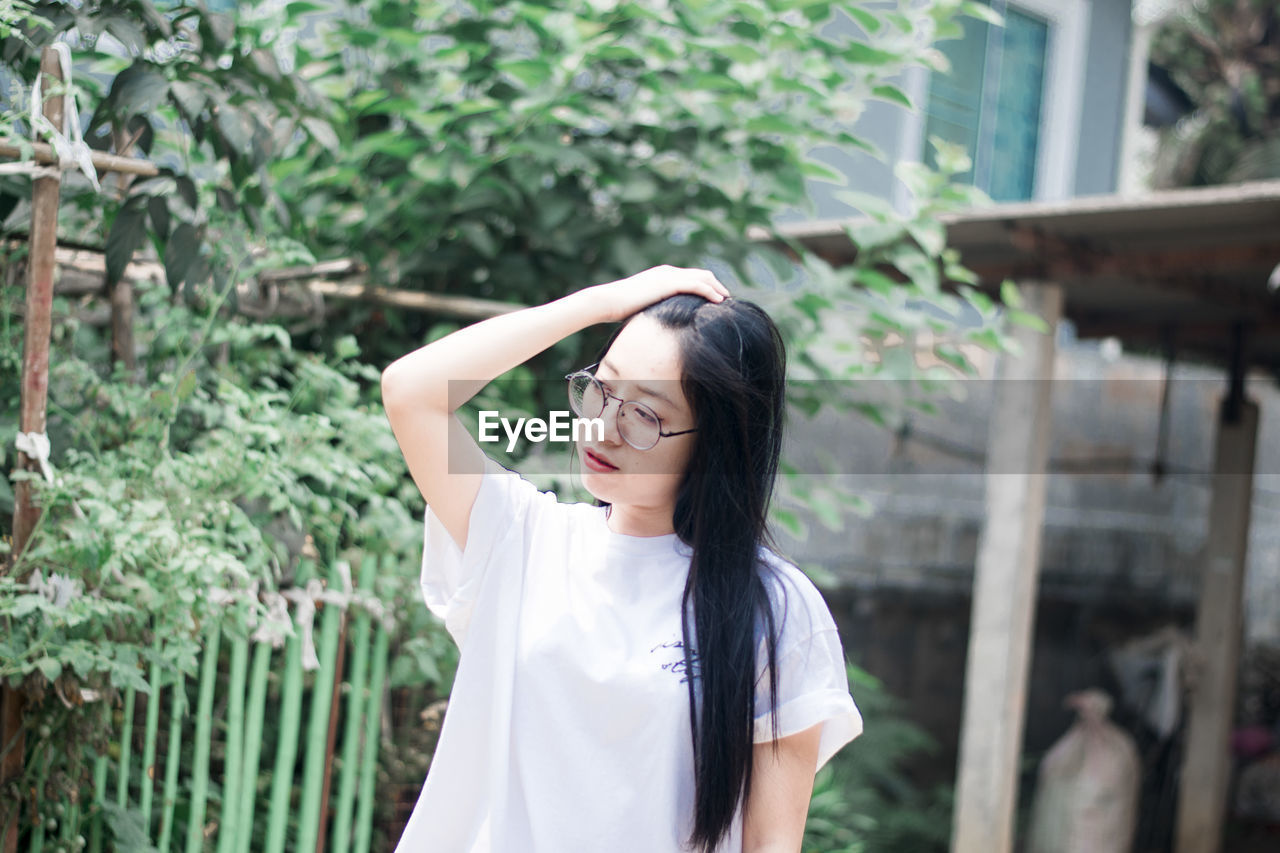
(589, 305)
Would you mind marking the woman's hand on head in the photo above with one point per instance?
(624, 297)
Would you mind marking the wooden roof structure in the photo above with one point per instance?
(1191, 267)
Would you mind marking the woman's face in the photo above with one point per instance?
(642, 365)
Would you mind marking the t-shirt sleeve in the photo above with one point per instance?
(451, 577)
(813, 683)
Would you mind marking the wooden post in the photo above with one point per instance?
(35, 388)
(121, 292)
(1206, 764)
(1004, 587)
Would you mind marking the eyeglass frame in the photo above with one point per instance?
(621, 402)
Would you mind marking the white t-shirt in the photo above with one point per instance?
(568, 724)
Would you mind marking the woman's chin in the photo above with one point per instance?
(598, 486)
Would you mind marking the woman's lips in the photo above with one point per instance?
(597, 463)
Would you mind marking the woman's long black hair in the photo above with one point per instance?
(733, 365)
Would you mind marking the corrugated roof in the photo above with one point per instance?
(1190, 263)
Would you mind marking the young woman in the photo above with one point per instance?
(643, 675)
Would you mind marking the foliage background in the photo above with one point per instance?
(515, 150)
(1225, 55)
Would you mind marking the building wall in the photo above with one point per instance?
(1102, 115)
(1097, 146)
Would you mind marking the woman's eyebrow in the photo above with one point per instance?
(645, 390)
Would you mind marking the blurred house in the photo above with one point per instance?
(1051, 109)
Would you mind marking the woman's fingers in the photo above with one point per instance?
(711, 287)
(636, 292)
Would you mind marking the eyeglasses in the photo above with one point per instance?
(638, 425)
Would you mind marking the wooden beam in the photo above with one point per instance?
(37, 325)
(462, 307)
(82, 273)
(1206, 763)
(1192, 331)
(102, 162)
(1004, 587)
(1057, 259)
(339, 268)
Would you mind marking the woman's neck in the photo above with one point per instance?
(631, 520)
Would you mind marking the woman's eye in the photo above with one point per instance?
(646, 417)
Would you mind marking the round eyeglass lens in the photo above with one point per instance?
(638, 426)
(586, 397)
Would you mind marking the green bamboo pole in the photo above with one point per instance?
(153, 727)
(176, 713)
(71, 826)
(228, 825)
(318, 726)
(252, 745)
(203, 742)
(67, 823)
(287, 748)
(126, 748)
(99, 797)
(37, 835)
(372, 732)
(355, 716)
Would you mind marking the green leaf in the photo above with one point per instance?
(49, 668)
(982, 12)
(301, 7)
(1010, 295)
(987, 338)
(1028, 320)
(811, 168)
(871, 205)
(872, 234)
(138, 89)
(479, 236)
(127, 828)
(865, 18)
(791, 522)
(236, 128)
(827, 512)
(770, 123)
(187, 386)
(128, 31)
(322, 132)
(861, 53)
(875, 281)
(180, 253)
(892, 93)
(158, 211)
(24, 604)
(127, 233)
(191, 99)
(529, 73)
(984, 304)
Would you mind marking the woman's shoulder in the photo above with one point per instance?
(536, 492)
(799, 608)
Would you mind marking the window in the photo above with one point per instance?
(991, 102)
(1012, 100)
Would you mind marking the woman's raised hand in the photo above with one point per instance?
(624, 297)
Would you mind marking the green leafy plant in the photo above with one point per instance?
(175, 499)
(1222, 53)
(862, 800)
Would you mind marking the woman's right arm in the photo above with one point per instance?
(422, 390)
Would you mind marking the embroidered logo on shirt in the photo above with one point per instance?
(678, 666)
